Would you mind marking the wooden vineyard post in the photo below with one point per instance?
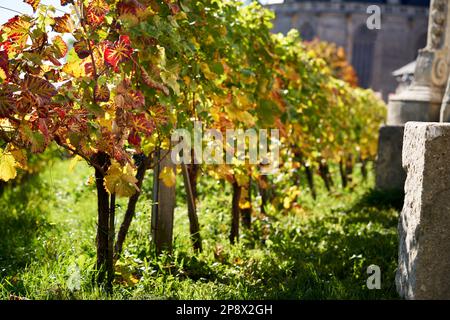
(163, 204)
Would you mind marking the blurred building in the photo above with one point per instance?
(375, 54)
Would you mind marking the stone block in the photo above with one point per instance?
(424, 223)
(389, 171)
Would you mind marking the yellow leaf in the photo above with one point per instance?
(241, 178)
(207, 72)
(168, 177)
(245, 205)
(171, 80)
(187, 81)
(120, 181)
(5, 125)
(75, 66)
(91, 180)
(7, 167)
(287, 202)
(2, 74)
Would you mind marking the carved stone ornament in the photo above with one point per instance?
(438, 20)
(439, 72)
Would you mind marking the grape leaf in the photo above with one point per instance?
(96, 12)
(6, 103)
(59, 47)
(152, 83)
(82, 49)
(74, 66)
(101, 93)
(34, 138)
(143, 125)
(134, 138)
(16, 31)
(117, 52)
(168, 177)
(121, 182)
(170, 79)
(63, 24)
(20, 157)
(4, 65)
(39, 86)
(129, 7)
(7, 166)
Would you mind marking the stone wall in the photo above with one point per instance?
(403, 32)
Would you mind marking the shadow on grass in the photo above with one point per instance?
(327, 257)
(324, 257)
(22, 218)
(381, 199)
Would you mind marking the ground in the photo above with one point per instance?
(319, 250)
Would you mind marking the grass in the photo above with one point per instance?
(319, 250)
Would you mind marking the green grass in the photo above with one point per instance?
(320, 250)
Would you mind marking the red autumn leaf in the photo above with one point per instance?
(94, 20)
(63, 24)
(138, 99)
(5, 46)
(61, 112)
(43, 128)
(117, 52)
(33, 3)
(134, 138)
(66, 2)
(98, 7)
(82, 49)
(4, 65)
(89, 69)
(96, 12)
(101, 93)
(142, 124)
(16, 30)
(174, 8)
(39, 87)
(77, 121)
(53, 60)
(129, 7)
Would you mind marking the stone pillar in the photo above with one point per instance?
(424, 224)
(422, 100)
(389, 173)
(389, 159)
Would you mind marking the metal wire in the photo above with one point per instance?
(12, 10)
(15, 11)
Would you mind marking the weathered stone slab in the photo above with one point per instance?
(424, 224)
(389, 171)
